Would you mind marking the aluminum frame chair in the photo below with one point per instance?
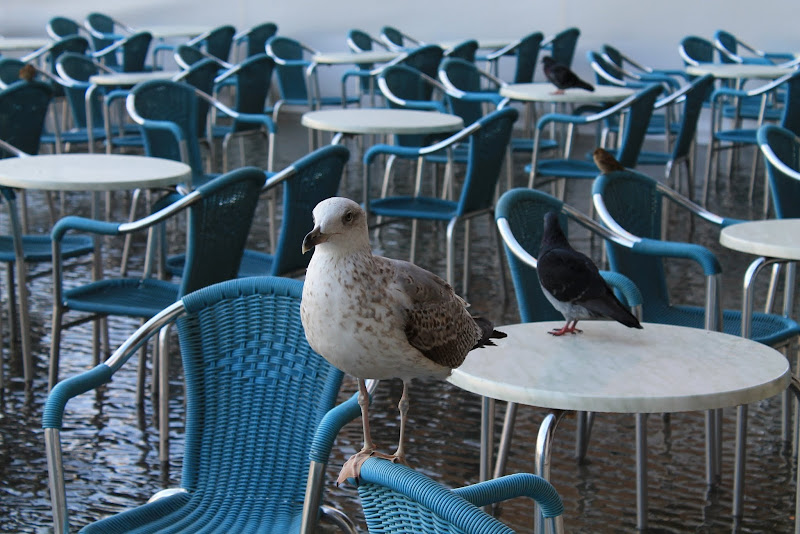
(59, 27)
(729, 46)
(562, 45)
(104, 30)
(396, 498)
(488, 140)
(397, 41)
(23, 108)
(245, 356)
(129, 53)
(254, 39)
(630, 204)
(721, 138)
(526, 56)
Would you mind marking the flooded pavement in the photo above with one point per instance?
(111, 445)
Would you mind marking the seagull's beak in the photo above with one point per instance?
(313, 238)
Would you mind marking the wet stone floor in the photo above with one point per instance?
(111, 445)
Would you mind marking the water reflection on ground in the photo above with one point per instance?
(111, 446)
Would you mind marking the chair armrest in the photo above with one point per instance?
(393, 150)
(544, 120)
(83, 224)
(511, 486)
(620, 282)
(700, 254)
(72, 387)
(329, 427)
(252, 118)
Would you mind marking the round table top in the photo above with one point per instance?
(546, 92)
(774, 238)
(23, 43)
(738, 70)
(352, 58)
(131, 78)
(91, 172)
(612, 368)
(381, 121)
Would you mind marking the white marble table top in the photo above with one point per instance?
(774, 238)
(381, 121)
(352, 58)
(131, 78)
(91, 172)
(23, 43)
(738, 70)
(612, 368)
(175, 30)
(546, 92)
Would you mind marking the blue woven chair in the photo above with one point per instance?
(129, 53)
(220, 215)
(695, 50)
(59, 27)
(638, 109)
(722, 138)
(104, 31)
(215, 43)
(398, 41)
(781, 151)
(261, 416)
(468, 90)
(630, 204)
(562, 45)
(395, 498)
(488, 141)
(526, 56)
(23, 108)
(729, 47)
(297, 81)
(465, 50)
(520, 216)
(625, 62)
(361, 41)
(254, 39)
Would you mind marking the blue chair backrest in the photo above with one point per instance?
(201, 75)
(486, 152)
(219, 42)
(425, 59)
(563, 45)
(527, 53)
(692, 107)
(464, 76)
(610, 68)
(636, 120)
(790, 119)
(218, 228)
(785, 189)
(256, 38)
(524, 209)
(77, 69)
(635, 203)
(135, 50)
(255, 389)
(103, 33)
(291, 77)
(176, 103)
(729, 42)
(59, 27)
(253, 80)
(23, 109)
(465, 50)
(698, 49)
(317, 177)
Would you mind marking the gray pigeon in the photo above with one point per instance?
(381, 318)
(572, 283)
(562, 77)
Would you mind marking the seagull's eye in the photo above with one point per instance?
(348, 217)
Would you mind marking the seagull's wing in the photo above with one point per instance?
(437, 322)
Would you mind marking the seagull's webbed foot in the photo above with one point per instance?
(568, 328)
(352, 467)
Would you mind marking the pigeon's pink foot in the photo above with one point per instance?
(568, 328)
(558, 92)
(352, 467)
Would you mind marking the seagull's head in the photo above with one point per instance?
(338, 221)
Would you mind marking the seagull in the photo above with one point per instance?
(572, 283)
(380, 318)
(562, 77)
(605, 161)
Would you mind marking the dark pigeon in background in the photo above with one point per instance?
(562, 77)
(572, 283)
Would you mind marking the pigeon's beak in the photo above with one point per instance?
(313, 238)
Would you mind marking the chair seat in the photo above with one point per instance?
(39, 248)
(188, 513)
(646, 157)
(128, 297)
(740, 136)
(414, 207)
(768, 329)
(523, 144)
(565, 168)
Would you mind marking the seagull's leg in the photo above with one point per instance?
(363, 402)
(402, 406)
